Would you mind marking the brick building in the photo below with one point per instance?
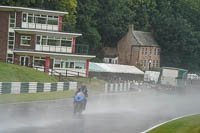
(34, 38)
(139, 49)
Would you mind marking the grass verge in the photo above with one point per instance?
(15, 73)
(15, 98)
(185, 125)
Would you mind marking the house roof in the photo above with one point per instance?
(14, 8)
(114, 68)
(110, 52)
(144, 38)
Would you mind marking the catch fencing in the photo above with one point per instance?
(35, 87)
(121, 87)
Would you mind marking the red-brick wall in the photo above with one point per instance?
(18, 19)
(128, 50)
(154, 57)
(18, 42)
(4, 21)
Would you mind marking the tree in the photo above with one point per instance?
(113, 19)
(86, 24)
(176, 34)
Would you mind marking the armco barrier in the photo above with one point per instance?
(34, 87)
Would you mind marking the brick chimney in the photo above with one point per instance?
(131, 27)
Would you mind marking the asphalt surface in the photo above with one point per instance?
(119, 113)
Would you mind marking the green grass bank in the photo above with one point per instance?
(189, 124)
(15, 73)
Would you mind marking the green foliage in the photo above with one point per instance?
(177, 34)
(113, 20)
(86, 24)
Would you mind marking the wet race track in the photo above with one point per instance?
(118, 113)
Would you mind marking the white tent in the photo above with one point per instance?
(114, 68)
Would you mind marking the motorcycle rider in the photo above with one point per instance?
(83, 89)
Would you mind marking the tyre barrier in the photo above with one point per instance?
(35, 87)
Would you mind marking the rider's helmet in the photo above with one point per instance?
(83, 87)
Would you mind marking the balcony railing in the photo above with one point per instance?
(81, 49)
(40, 26)
(49, 48)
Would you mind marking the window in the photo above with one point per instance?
(54, 41)
(39, 61)
(66, 43)
(30, 18)
(155, 51)
(142, 51)
(57, 63)
(150, 51)
(145, 51)
(157, 63)
(52, 20)
(41, 20)
(11, 40)
(44, 40)
(71, 65)
(63, 64)
(38, 40)
(24, 17)
(12, 20)
(26, 40)
(79, 65)
(10, 58)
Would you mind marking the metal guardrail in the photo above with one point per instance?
(81, 49)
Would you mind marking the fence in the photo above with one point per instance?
(35, 87)
(62, 73)
(121, 87)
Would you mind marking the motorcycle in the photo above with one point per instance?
(79, 101)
